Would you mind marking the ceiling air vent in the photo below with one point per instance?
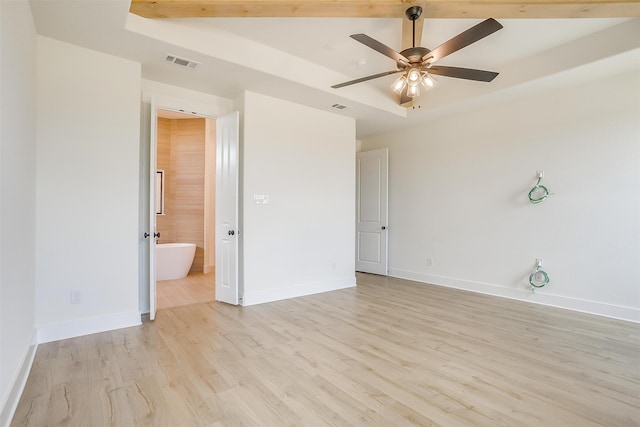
(339, 106)
(183, 62)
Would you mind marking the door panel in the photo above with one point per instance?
(151, 241)
(371, 211)
(227, 233)
(370, 247)
(370, 170)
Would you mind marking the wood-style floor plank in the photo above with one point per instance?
(389, 352)
(195, 288)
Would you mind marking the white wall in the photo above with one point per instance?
(88, 131)
(302, 242)
(458, 195)
(17, 200)
(175, 97)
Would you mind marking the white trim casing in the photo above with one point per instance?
(592, 307)
(87, 326)
(297, 291)
(10, 405)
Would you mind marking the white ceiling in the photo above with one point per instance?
(327, 42)
(300, 58)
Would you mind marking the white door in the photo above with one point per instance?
(151, 241)
(371, 211)
(227, 232)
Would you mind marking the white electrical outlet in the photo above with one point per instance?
(429, 262)
(75, 297)
(539, 262)
(540, 173)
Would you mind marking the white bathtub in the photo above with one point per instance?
(173, 260)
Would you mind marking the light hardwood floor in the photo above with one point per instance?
(195, 288)
(387, 353)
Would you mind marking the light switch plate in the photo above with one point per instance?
(261, 199)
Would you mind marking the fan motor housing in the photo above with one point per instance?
(414, 55)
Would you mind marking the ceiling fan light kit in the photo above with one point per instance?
(399, 84)
(417, 63)
(412, 80)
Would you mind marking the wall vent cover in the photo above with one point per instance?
(183, 62)
(339, 106)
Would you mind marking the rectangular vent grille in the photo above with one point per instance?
(339, 106)
(183, 62)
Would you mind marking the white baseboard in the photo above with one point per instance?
(87, 326)
(539, 297)
(17, 386)
(297, 291)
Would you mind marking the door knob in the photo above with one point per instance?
(231, 232)
(156, 235)
(384, 228)
(146, 235)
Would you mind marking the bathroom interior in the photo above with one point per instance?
(185, 209)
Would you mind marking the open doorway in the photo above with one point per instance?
(185, 209)
(223, 242)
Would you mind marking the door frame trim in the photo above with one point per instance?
(170, 103)
(385, 216)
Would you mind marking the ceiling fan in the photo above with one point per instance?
(417, 63)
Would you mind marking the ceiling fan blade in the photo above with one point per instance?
(464, 39)
(405, 100)
(463, 73)
(364, 79)
(379, 47)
